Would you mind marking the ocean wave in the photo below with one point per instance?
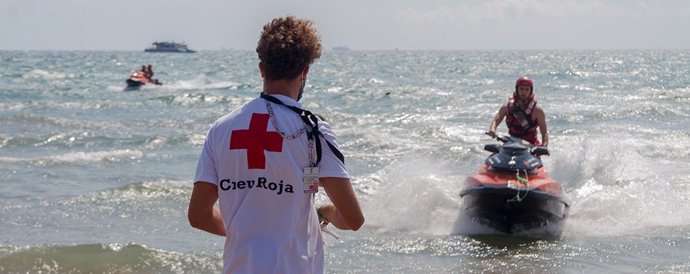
(4, 140)
(26, 121)
(140, 200)
(145, 191)
(144, 212)
(75, 158)
(190, 99)
(72, 141)
(103, 258)
(44, 74)
(202, 83)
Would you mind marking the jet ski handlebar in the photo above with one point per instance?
(535, 150)
(508, 139)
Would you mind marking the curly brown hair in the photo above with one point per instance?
(287, 46)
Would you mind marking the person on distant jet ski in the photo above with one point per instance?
(149, 74)
(523, 115)
(149, 71)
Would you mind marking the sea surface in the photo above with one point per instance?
(97, 180)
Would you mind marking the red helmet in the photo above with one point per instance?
(524, 81)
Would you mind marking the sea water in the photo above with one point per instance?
(97, 180)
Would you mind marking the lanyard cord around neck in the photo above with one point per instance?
(312, 121)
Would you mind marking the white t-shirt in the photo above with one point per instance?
(271, 224)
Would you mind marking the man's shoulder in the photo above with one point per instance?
(505, 107)
(538, 110)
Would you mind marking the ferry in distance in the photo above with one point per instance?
(169, 47)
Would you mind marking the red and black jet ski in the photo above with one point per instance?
(512, 194)
(138, 79)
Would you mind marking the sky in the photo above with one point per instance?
(357, 24)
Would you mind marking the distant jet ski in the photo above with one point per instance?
(138, 79)
(512, 194)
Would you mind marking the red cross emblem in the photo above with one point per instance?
(256, 140)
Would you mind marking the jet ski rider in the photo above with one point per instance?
(523, 115)
(149, 71)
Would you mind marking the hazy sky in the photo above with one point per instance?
(358, 24)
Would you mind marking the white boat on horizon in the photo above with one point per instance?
(169, 47)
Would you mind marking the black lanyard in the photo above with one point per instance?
(311, 120)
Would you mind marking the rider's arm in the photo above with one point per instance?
(498, 118)
(541, 122)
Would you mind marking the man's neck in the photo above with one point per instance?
(289, 88)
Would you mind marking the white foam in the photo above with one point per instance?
(200, 83)
(617, 189)
(39, 73)
(76, 157)
(416, 197)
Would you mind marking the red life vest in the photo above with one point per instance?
(521, 123)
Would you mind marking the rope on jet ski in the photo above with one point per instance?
(522, 180)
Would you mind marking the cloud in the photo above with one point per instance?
(360, 24)
(546, 24)
(501, 11)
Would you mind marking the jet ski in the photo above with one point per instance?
(512, 194)
(138, 79)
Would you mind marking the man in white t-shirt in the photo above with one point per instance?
(264, 161)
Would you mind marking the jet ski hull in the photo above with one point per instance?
(510, 211)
